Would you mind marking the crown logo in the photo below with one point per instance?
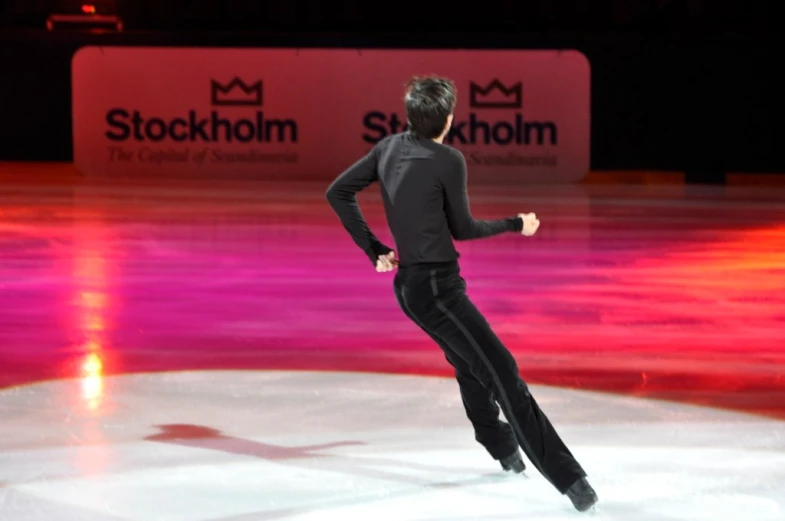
(236, 93)
(495, 96)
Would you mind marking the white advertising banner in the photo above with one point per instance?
(308, 114)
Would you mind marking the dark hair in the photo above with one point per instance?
(429, 101)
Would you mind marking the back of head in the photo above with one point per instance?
(429, 103)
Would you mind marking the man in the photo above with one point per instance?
(425, 199)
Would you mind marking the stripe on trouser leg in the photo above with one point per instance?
(478, 350)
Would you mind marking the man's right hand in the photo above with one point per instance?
(530, 223)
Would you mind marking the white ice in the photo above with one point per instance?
(382, 447)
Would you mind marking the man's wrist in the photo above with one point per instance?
(375, 250)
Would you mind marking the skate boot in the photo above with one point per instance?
(581, 494)
(513, 462)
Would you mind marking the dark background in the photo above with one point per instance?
(682, 85)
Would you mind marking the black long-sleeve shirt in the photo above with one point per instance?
(425, 199)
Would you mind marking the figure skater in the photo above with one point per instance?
(423, 185)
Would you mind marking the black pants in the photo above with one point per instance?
(434, 297)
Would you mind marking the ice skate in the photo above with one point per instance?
(582, 495)
(513, 462)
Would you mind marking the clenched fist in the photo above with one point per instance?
(386, 262)
(530, 223)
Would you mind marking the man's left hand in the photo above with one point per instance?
(386, 262)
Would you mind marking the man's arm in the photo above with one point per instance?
(462, 225)
(342, 196)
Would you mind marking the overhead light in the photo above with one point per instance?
(96, 15)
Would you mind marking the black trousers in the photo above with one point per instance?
(434, 297)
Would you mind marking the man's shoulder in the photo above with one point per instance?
(450, 154)
(454, 152)
(387, 141)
